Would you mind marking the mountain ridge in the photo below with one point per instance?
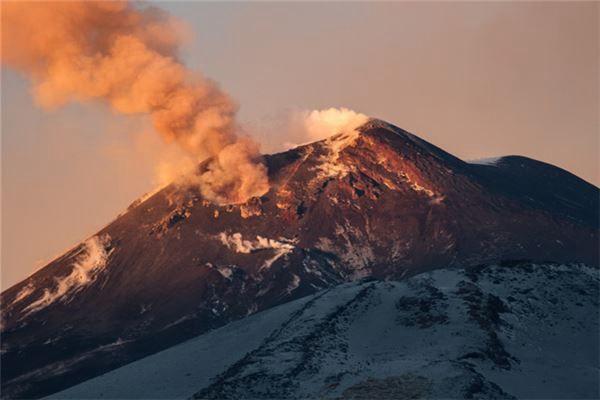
(376, 202)
(447, 333)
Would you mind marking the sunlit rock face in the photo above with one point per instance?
(382, 195)
(374, 201)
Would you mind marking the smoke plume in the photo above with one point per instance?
(126, 56)
(320, 124)
(304, 126)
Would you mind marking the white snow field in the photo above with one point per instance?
(516, 330)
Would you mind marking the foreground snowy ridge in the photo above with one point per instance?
(514, 330)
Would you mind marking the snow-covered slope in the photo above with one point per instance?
(511, 330)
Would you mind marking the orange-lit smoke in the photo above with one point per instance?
(127, 57)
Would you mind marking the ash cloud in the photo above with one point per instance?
(126, 57)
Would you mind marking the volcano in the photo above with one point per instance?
(376, 202)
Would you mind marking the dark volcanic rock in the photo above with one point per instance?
(379, 202)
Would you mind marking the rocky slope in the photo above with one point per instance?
(514, 330)
(375, 202)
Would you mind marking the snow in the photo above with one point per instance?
(492, 161)
(238, 244)
(24, 292)
(330, 166)
(293, 284)
(226, 272)
(177, 372)
(425, 327)
(90, 261)
(109, 346)
(179, 321)
(354, 252)
(418, 188)
(527, 331)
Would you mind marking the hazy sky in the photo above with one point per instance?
(477, 79)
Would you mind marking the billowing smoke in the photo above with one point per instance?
(320, 124)
(309, 126)
(126, 56)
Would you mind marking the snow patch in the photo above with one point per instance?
(493, 161)
(24, 292)
(90, 262)
(330, 166)
(178, 321)
(293, 284)
(414, 185)
(112, 345)
(418, 188)
(237, 243)
(355, 252)
(225, 272)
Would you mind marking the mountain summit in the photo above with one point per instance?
(375, 202)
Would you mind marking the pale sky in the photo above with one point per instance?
(478, 79)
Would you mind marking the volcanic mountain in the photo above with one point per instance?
(375, 202)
